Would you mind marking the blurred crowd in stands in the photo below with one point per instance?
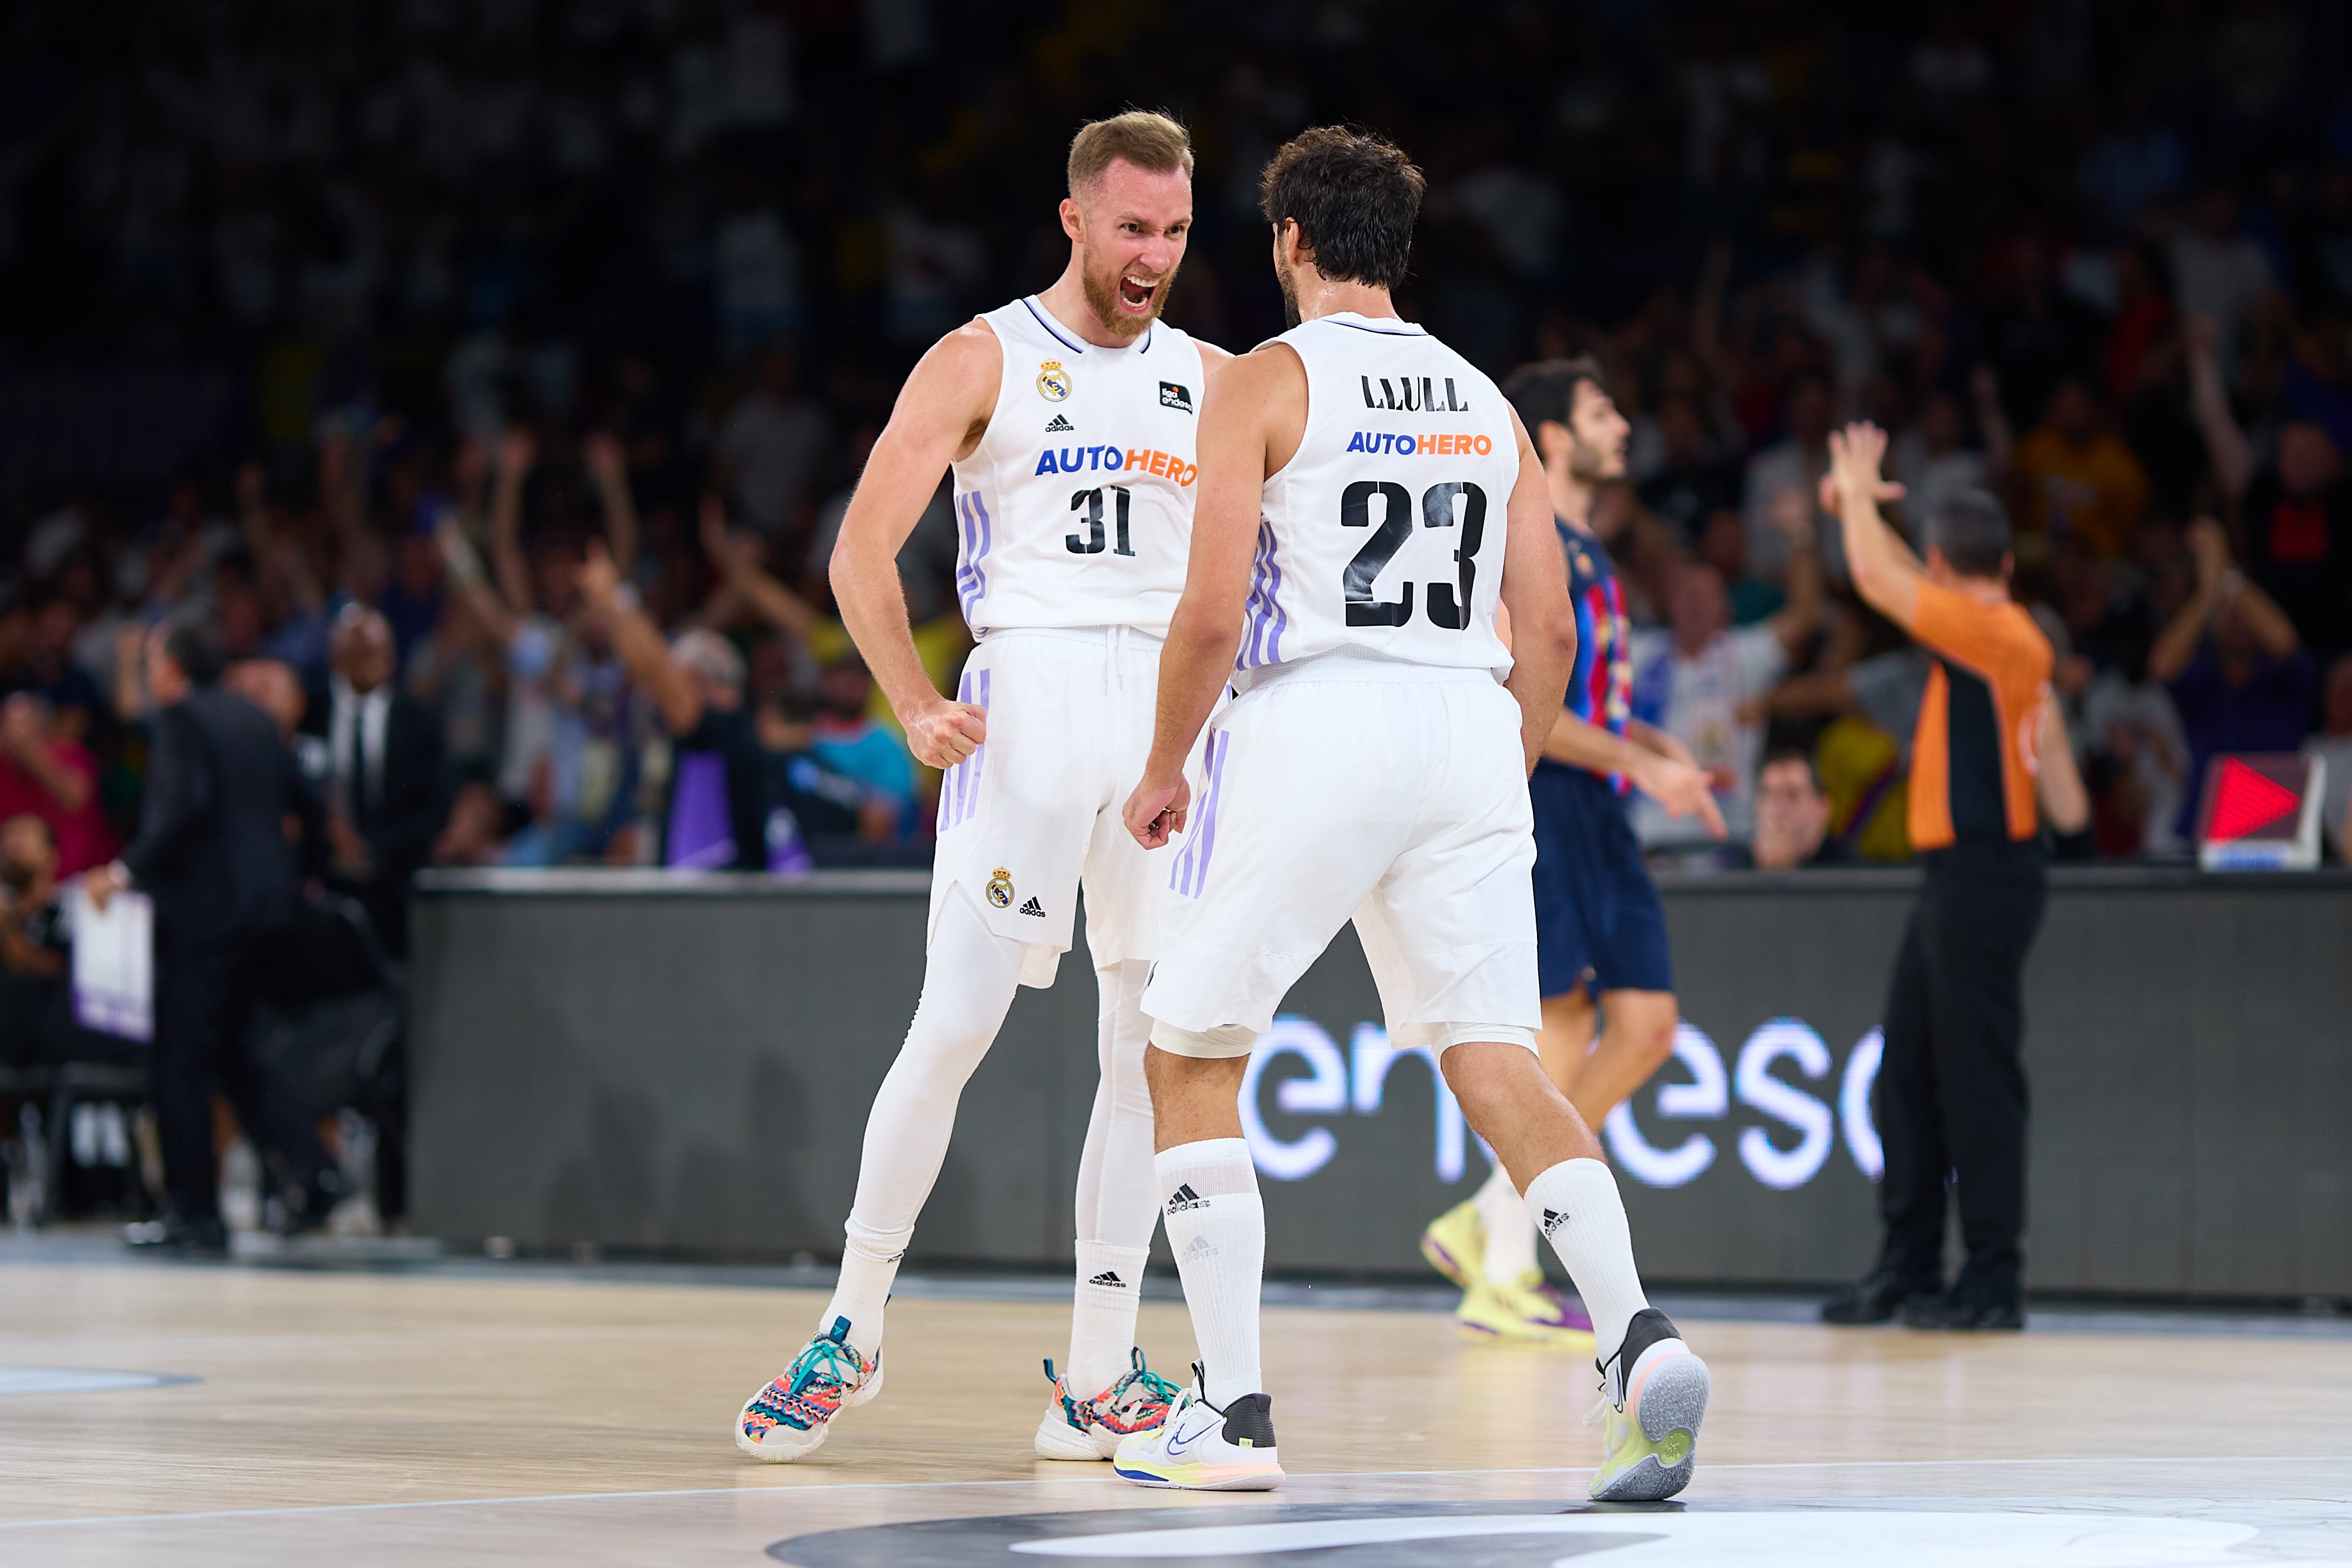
(495, 374)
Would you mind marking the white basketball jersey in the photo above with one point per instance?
(1384, 533)
(1076, 507)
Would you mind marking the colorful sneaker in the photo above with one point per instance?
(1455, 1242)
(1528, 1309)
(789, 1419)
(1200, 1448)
(1649, 1413)
(1093, 1429)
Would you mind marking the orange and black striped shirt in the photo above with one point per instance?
(1975, 753)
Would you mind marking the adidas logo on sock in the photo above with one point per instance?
(1059, 425)
(1184, 1198)
(1108, 1278)
(1202, 1246)
(1034, 907)
(1552, 1220)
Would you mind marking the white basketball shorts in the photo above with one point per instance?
(1035, 809)
(1394, 793)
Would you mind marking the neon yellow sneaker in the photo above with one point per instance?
(1649, 1413)
(1455, 1244)
(1525, 1311)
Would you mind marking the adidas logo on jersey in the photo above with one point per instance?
(1552, 1220)
(1184, 1198)
(1110, 1278)
(1058, 426)
(1034, 907)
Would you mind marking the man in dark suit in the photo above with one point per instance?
(379, 769)
(213, 852)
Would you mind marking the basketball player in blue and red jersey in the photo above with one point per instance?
(1601, 932)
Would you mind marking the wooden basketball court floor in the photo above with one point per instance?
(161, 1414)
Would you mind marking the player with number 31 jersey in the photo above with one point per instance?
(1068, 419)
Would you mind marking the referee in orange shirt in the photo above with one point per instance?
(1989, 747)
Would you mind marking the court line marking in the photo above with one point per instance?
(1100, 1481)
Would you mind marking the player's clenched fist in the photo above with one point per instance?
(945, 734)
(1156, 810)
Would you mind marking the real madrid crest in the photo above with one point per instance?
(1000, 886)
(1053, 381)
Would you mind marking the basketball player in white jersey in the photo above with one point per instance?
(1069, 418)
(1369, 508)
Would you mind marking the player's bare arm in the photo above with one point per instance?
(1252, 416)
(942, 414)
(1536, 600)
(1885, 573)
(1673, 782)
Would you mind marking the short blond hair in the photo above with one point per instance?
(1152, 142)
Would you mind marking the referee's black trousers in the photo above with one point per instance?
(1950, 1101)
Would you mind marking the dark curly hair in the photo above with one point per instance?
(1354, 196)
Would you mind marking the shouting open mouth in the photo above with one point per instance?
(1138, 293)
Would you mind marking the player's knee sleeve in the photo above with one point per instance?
(1224, 1040)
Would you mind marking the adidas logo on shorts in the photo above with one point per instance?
(1184, 1198)
(1110, 1278)
(1058, 426)
(1034, 907)
(1552, 1220)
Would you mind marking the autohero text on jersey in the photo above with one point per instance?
(1450, 444)
(1167, 465)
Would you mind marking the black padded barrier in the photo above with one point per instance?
(636, 1061)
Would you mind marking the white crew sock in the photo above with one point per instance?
(1102, 1318)
(1117, 1199)
(1216, 1228)
(1511, 1235)
(869, 1264)
(1575, 1203)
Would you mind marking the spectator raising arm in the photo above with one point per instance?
(517, 452)
(1885, 573)
(2220, 587)
(1984, 390)
(735, 558)
(639, 642)
(2225, 443)
(466, 572)
(608, 467)
(1800, 616)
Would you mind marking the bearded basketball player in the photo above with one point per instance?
(1068, 418)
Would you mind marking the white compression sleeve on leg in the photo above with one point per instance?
(1510, 1234)
(1118, 1196)
(1216, 1228)
(1575, 1203)
(969, 979)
